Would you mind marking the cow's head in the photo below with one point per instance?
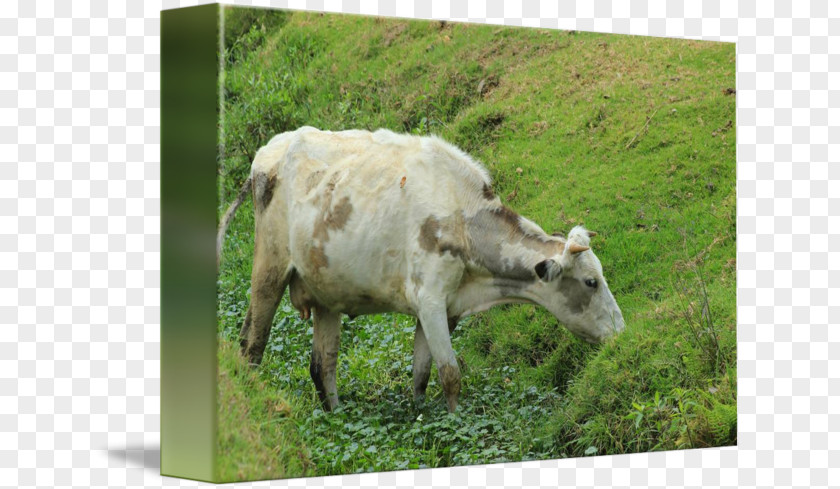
(572, 287)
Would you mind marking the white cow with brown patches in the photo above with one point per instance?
(356, 222)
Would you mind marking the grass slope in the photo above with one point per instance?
(632, 136)
(257, 433)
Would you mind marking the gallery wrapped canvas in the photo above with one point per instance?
(396, 244)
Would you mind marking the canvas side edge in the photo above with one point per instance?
(189, 102)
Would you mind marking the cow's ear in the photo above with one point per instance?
(548, 270)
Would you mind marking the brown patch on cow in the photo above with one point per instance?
(264, 184)
(269, 189)
(428, 239)
(508, 216)
(397, 286)
(334, 178)
(451, 239)
(312, 180)
(428, 234)
(320, 230)
(317, 257)
(338, 216)
(577, 294)
(487, 192)
(334, 218)
(453, 250)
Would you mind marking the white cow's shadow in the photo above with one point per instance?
(147, 457)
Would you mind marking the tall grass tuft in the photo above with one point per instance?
(698, 314)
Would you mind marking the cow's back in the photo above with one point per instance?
(355, 204)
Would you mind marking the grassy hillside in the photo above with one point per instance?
(631, 136)
(257, 436)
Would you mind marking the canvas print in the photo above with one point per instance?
(443, 244)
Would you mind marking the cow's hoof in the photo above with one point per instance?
(329, 403)
(333, 403)
(451, 406)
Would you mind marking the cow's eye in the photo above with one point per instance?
(591, 283)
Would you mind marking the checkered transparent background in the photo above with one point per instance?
(80, 254)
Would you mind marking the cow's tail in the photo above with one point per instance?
(225, 221)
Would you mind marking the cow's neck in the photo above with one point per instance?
(504, 249)
(507, 245)
(481, 292)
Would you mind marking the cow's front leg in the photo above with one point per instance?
(435, 329)
(325, 342)
(422, 366)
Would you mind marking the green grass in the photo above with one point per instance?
(631, 136)
(257, 429)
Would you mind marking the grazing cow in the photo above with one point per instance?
(357, 222)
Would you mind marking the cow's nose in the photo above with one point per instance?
(602, 338)
(613, 329)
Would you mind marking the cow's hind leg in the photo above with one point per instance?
(243, 332)
(269, 279)
(422, 367)
(326, 327)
